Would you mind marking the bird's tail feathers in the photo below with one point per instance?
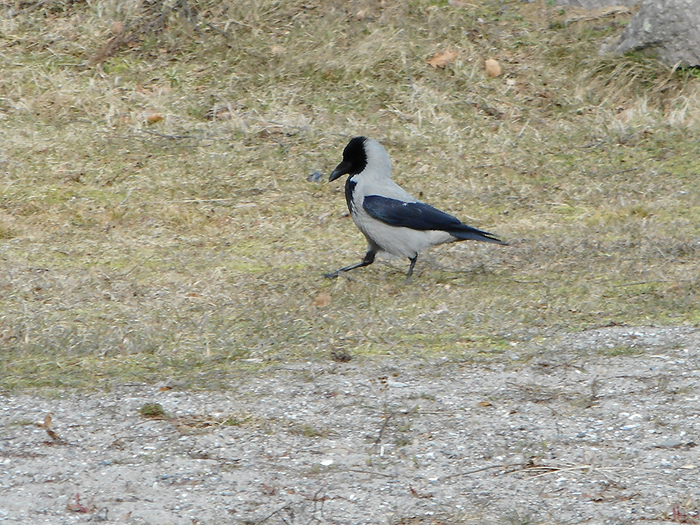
(467, 233)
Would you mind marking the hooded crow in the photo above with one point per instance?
(393, 221)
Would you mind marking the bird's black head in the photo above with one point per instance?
(354, 159)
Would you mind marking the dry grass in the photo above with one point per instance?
(156, 221)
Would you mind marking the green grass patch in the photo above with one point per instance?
(152, 411)
(620, 351)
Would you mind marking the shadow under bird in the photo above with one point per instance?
(392, 220)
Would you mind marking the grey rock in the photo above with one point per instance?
(670, 443)
(671, 28)
(597, 4)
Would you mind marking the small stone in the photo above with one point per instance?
(670, 443)
(493, 68)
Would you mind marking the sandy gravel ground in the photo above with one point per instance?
(600, 427)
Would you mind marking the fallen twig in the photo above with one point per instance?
(166, 136)
(474, 471)
(370, 472)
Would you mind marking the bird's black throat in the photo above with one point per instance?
(349, 191)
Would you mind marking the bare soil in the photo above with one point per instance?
(600, 427)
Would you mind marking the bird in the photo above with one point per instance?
(393, 221)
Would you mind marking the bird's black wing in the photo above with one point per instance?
(414, 215)
(421, 216)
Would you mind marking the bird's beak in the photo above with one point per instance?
(340, 170)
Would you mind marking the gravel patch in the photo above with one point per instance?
(598, 427)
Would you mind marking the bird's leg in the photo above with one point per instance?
(369, 259)
(410, 268)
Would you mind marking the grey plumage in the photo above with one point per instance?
(392, 220)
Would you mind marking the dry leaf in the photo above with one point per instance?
(322, 299)
(484, 404)
(493, 69)
(54, 436)
(46, 423)
(442, 59)
(154, 117)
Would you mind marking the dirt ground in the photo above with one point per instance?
(600, 427)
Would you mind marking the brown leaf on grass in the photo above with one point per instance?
(322, 299)
(153, 118)
(493, 68)
(443, 58)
